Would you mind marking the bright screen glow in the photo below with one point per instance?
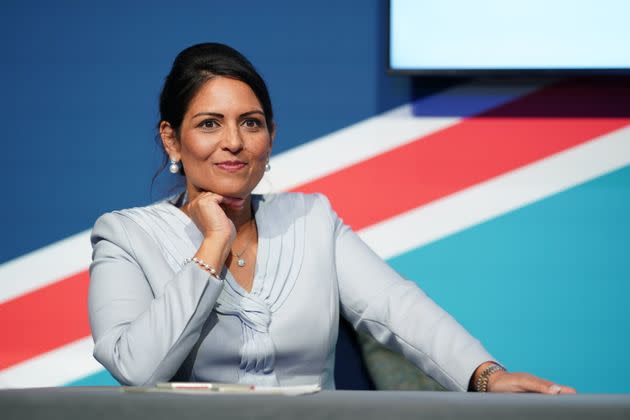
(500, 34)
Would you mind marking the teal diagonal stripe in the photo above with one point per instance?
(102, 378)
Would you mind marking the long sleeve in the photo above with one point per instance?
(397, 313)
(144, 326)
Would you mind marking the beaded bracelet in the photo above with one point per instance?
(481, 384)
(201, 263)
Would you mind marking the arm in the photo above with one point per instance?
(400, 316)
(375, 299)
(139, 337)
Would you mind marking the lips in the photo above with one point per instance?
(231, 165)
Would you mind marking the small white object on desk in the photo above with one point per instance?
(211, 387)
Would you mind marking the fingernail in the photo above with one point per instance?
(554, 389)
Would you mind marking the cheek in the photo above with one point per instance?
(261, 147)
(197, 147)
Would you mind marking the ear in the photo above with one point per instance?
(169, 141)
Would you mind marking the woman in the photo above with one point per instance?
(218, 284)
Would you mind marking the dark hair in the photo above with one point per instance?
(196, 65)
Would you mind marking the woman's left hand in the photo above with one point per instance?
(524, 382)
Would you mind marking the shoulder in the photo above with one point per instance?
(119, 225)
(297, 197)
(305, 202)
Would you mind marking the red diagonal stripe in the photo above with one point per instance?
(480, 148)
(42, 320)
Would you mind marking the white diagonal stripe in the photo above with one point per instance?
(58, 367)
(499, 195)
(45, 266)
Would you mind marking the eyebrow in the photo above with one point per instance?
(219, 115)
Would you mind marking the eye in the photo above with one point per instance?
(209, 124)
(252, 123)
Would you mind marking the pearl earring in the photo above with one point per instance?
(267, 166)
(174, 167)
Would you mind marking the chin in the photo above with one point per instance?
(227, 191)
(235, 187)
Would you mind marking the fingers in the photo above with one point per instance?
(535, 384)
(560, 389)
(543, 386)
(203, 197)
(235, 203)
(553, 388)
(567, 390)
(524, 382)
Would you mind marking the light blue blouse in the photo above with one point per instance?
(156, 319)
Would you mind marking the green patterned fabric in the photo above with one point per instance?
(391, 371)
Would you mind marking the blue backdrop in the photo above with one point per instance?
(81, 82)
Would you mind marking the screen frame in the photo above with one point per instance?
(493, 72)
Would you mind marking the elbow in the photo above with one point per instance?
(125, 368)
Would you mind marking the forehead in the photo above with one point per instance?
(224, 95)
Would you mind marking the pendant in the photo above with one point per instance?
(241, 262)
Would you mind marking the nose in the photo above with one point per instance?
(232, 140)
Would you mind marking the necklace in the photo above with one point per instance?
(240, 261)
